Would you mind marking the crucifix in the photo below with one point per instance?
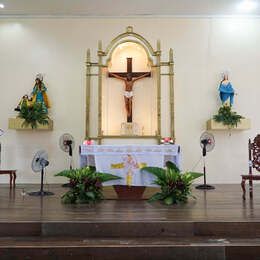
(129, 78)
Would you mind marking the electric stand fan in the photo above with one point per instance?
(39, 163)
(67, 145)
(207, 143)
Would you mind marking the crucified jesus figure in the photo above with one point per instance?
(128, 95)
(129, 78)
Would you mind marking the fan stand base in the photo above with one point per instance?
(205, 187)
(40, 193)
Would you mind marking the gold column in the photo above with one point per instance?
(88, 75)
(171, 84)
(158, 67)
(100, 54)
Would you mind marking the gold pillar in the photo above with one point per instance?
(158, 69)
(171, 85)
(100, 54)
(88, 75)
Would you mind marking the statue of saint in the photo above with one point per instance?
(38, 95)
(25, 101)
(226, 91)
(39, 92)
(128, 94)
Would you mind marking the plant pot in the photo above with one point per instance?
(129, 193)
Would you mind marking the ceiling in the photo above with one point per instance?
(116, 8)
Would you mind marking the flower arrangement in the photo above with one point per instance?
(88, 142)
(175, 186)
(33, 115)
(227, 116)
(167, 140)
(85, 185)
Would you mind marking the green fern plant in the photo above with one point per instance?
(175, 186)
(227, 117)
(85, 185)
(34, 115)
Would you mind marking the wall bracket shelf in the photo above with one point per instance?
(245, 124)
(16, 124)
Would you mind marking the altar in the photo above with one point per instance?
(126, 161)
(129, 110)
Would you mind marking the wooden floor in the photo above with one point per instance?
(222, 204)
(218, 224)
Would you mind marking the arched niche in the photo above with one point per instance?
(144, 100)
(118, 55)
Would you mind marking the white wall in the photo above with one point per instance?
(202, 49)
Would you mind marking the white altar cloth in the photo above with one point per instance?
(127, 160)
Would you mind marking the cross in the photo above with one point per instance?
(129, 71)
(129, 77)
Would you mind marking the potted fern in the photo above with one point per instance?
(175, 186)
(85, 185)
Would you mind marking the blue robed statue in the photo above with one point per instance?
(226, 91)
(38, 95)
(39, 92)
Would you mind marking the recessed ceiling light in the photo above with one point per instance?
(247, 5)
(2, 6)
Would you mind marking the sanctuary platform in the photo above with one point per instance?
(217, 225)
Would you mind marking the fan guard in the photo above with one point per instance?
(65, 141)
(207, 141)
(37, 159)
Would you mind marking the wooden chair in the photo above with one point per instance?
(254, 162)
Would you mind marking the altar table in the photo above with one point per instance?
(127, 160)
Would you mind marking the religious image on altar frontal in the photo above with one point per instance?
(33, 108)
